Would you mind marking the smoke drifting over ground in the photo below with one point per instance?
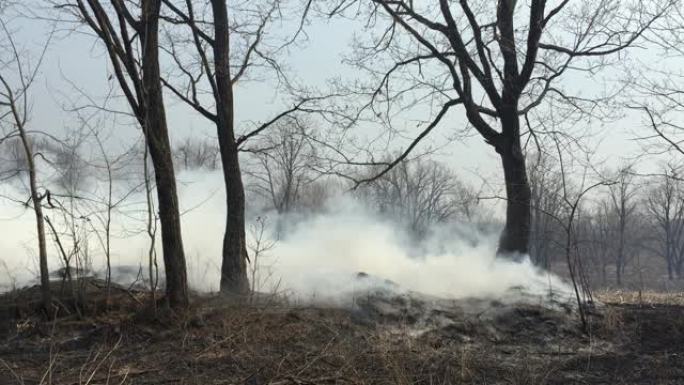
(316, 258)
(335, 246)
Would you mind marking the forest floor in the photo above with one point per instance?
(632, 338)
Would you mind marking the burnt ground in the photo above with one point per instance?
(383, 339)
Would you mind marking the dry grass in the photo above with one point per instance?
(648, 297)
(233, 345)
(222, 343)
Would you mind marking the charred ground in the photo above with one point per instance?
(383, 339)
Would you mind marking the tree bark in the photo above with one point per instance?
(234, 256)
(36, 198)
(40, 220)
(156, 132)
(515, 237)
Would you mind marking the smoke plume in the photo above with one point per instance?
(325, 257)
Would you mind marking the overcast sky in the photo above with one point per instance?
(76, 59)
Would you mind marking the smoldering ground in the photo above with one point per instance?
(314, 258)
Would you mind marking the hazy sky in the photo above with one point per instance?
(78, 60)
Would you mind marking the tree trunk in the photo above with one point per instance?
(516, 234)
(619, 261)
(156, 132)
(668, 258)
(40, 221)
(618, 268)
(604, 273)
(233, 268)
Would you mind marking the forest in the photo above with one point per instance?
(341, 191)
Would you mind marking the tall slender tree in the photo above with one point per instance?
(665, 204)
(233, 267)
(132, 46)
(622, 195)
(16, 79)
(221, 69)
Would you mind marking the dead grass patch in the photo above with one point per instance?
(648, 297)
(217, 342)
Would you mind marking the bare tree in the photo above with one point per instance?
(283, 170)
(106, 204)
(130, 34)
(665, 203)
(260, 246)
(498, 60)
(658, 96)
(657, 89)
(600, 242)
(194, 154)
(219, 70)
(420, 193)
(570, 222)
(546, 188)
(622, 196)
(71, 175)
(17, 76)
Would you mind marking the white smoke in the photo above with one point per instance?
(324, 253)
(317, 258)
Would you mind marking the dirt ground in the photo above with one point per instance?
(383, 339)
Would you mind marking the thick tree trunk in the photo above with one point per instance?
(156, 132)
(515, 238)
(233, 268)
